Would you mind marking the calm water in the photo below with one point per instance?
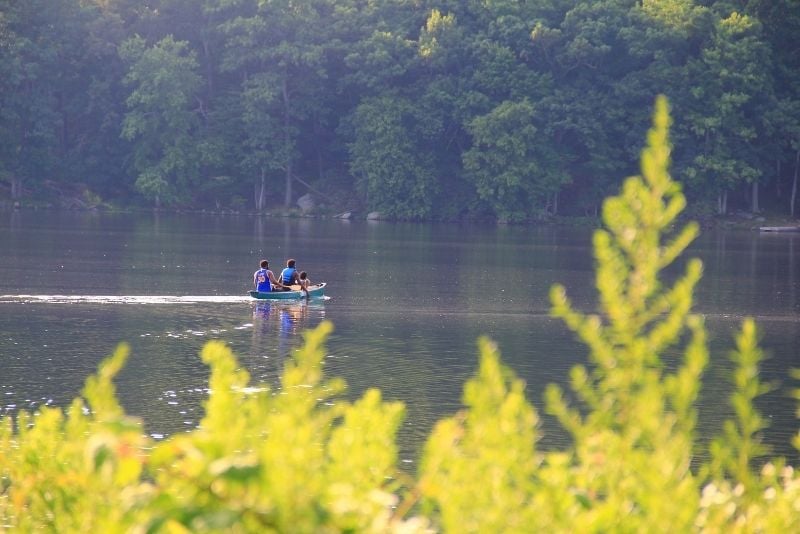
(408, 302)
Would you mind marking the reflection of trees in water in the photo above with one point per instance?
(747, 273)
(792, 271)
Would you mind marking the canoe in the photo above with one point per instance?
(313, 292)
(780, 228)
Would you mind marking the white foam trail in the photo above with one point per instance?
(127, 299)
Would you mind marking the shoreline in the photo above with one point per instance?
(764, 223)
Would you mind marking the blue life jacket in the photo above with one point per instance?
(287, 275)
(262, 279)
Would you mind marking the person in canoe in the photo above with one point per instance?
(289, 276)
(304, 281)
(291, 279)
(264, 279)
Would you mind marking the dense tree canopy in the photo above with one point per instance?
(515, 110)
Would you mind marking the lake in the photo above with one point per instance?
(408, 302)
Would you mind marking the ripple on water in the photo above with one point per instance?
(128, 299)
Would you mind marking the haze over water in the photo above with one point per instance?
(408, 302)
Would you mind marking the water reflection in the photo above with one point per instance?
(277, 325)
(290, 317)
(16, 219)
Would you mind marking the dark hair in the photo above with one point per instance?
(264, 264)
(303, 275)
(290, 263)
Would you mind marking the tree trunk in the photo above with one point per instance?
(261, 190)
(320, 167)
(287, 201)
(778, 178)
(319, 144)
(755, 198)
(209, 71)
(16, 188)
(262, 196)
(722, 202)
(794, 183)
(551, 204)
(64, 130)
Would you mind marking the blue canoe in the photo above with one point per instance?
(317, 290)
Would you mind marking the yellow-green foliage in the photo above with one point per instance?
(736, 498)
(634, 440)
(75, 471)
(286, 461)
(478, 467)
(294, 460)
(302, 459)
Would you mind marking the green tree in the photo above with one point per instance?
(281, 80)
(380, 62)
(783, 120)
(283, 43)
(509, 162)
(393, 168)
(34, 39)
(729, 76)
(264, 141)
(95, 153)
(582, 46)
(445, 95)
(162, 120)
(782, 20)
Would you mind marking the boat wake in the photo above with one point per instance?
(127, 299)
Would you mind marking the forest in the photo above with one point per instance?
(502, 110)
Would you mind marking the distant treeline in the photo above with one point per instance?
(418, 109)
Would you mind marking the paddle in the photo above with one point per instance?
(298, 287)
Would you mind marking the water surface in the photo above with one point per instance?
(408, 302)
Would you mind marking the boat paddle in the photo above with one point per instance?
(298, 287)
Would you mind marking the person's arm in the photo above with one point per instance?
(255, 279)
(273, 281)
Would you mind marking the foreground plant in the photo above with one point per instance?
(288, 461)
(301, 459)
(634, 441)
(294, 460)
(633, 430)
(77, 470)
